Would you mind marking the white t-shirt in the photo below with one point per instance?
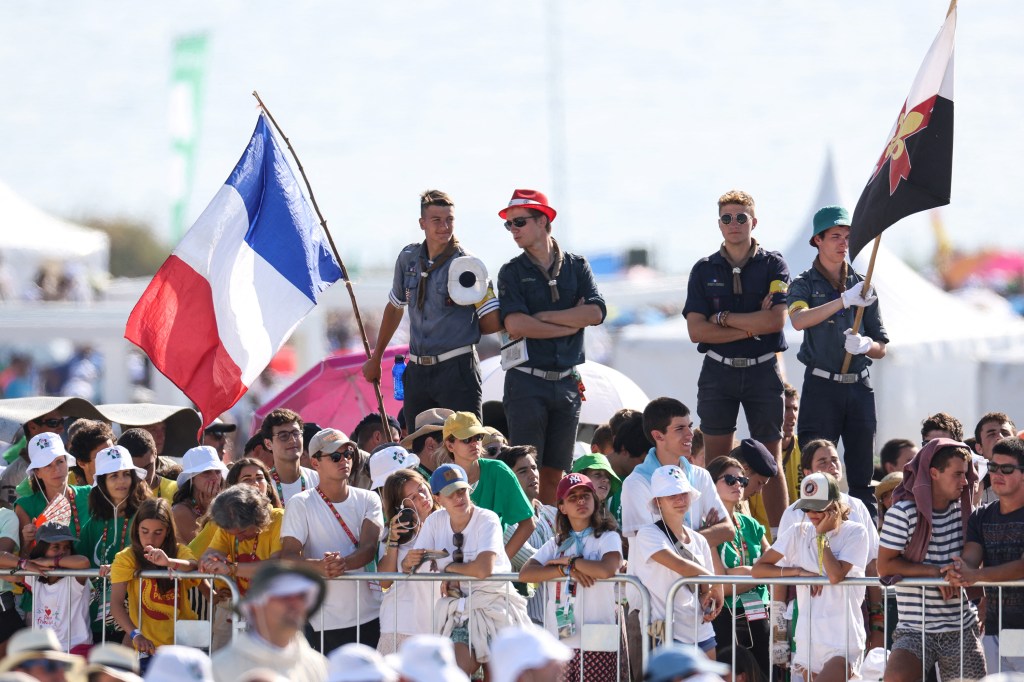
(9, 528)
(307, 479)
(636, 501)
(594, 604)
(858, 513)
(650, 540)
(50, 609)
(833, 618)
(407, 607)
(308, 519)
(482, 534)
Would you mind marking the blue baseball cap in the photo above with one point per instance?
(448, 478)
(672, 661)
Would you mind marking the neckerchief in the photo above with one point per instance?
(550, 274)
(650, 463)
(839, 286)
(427, 267)
(575, 540)
(737, 266)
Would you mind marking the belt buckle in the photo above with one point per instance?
(848, 378)
(427, 360)
(552, 375)
(740, 363)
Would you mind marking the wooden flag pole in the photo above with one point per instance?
(860, 311)
(337, 256)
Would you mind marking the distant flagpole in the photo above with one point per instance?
(863, 202)
(185, 109)
(337, 256)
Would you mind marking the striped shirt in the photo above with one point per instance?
(544, 518)
(947, 541)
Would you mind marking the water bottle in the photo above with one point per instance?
(396, 374)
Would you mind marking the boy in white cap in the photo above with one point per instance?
(830, 634)
(666, 550)
(548, 297)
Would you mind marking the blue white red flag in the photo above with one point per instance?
(243, 277)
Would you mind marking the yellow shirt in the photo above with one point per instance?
(157, 607)
(260, 548)
(166, 489)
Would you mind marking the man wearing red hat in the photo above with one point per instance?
(442, 333)
(547, 297)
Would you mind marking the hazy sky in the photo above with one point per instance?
(667, 105)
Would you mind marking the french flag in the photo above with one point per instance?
(240, 281)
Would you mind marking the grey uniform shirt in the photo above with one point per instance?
(441, 325)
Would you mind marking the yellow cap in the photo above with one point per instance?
(462, 425)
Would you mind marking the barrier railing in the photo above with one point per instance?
(888, 593)
(101, 584)
(507, 578)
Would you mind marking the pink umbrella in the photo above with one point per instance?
(334, 393)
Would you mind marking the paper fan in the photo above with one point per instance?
(58, 511)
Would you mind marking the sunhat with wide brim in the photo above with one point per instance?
(199, 459)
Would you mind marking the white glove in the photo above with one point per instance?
(856, 344)
(855, 296)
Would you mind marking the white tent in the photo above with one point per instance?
(943, 354)
(29, 238)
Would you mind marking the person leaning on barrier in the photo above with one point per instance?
(922, 535)
(281, 600)
(335, 527)
(830, 629)
(994, 552)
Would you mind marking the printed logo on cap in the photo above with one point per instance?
(810, 487)
(451, 475)
(398, 456)
(675, 472)
(43, 443)
(114, 453)
(574, 479)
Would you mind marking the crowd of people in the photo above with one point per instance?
(301, 519)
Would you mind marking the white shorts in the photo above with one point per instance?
(821, 654)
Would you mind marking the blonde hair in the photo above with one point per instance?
(736, 196)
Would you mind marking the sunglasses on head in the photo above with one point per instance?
(1005, 469)
(347, 453)
(733, 480)
(741, 218)
(49, 423)
(457, 540)
(516, 222)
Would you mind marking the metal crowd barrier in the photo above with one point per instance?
(100, 587)
(508, 578)
(888, 592)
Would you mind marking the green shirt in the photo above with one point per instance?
(102, 550)
(35, 503)
(498, 490)
(744, 550)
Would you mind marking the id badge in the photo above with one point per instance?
(565, 619)
(753, 607)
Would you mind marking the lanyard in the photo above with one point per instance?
(344, 526)
(124, 535)
(252, 554)
(277, 482)
(821, 554)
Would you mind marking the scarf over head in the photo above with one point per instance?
(917, 487)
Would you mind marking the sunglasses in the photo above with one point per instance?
(347, 453)
(733, 480)
(458, 539)
(45, 664)
(741, 219)
(466, 441)
(517, 222)
(49, 423)
(1005, 469)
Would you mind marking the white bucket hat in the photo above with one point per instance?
(387, 460)
(358, 663)
(429, 658)
(176, 663)
(670, 480)
(44, 448)
(116, 458)
(518, 649)
(200, 459)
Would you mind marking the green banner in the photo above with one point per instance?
(186, 106)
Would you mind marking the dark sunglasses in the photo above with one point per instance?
(466, 441)
(46, 664)
(733, 480)
(741, 219)
(1005, 469)
(457, 556)
(516, 222)
(347, 453)
(49, 423)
